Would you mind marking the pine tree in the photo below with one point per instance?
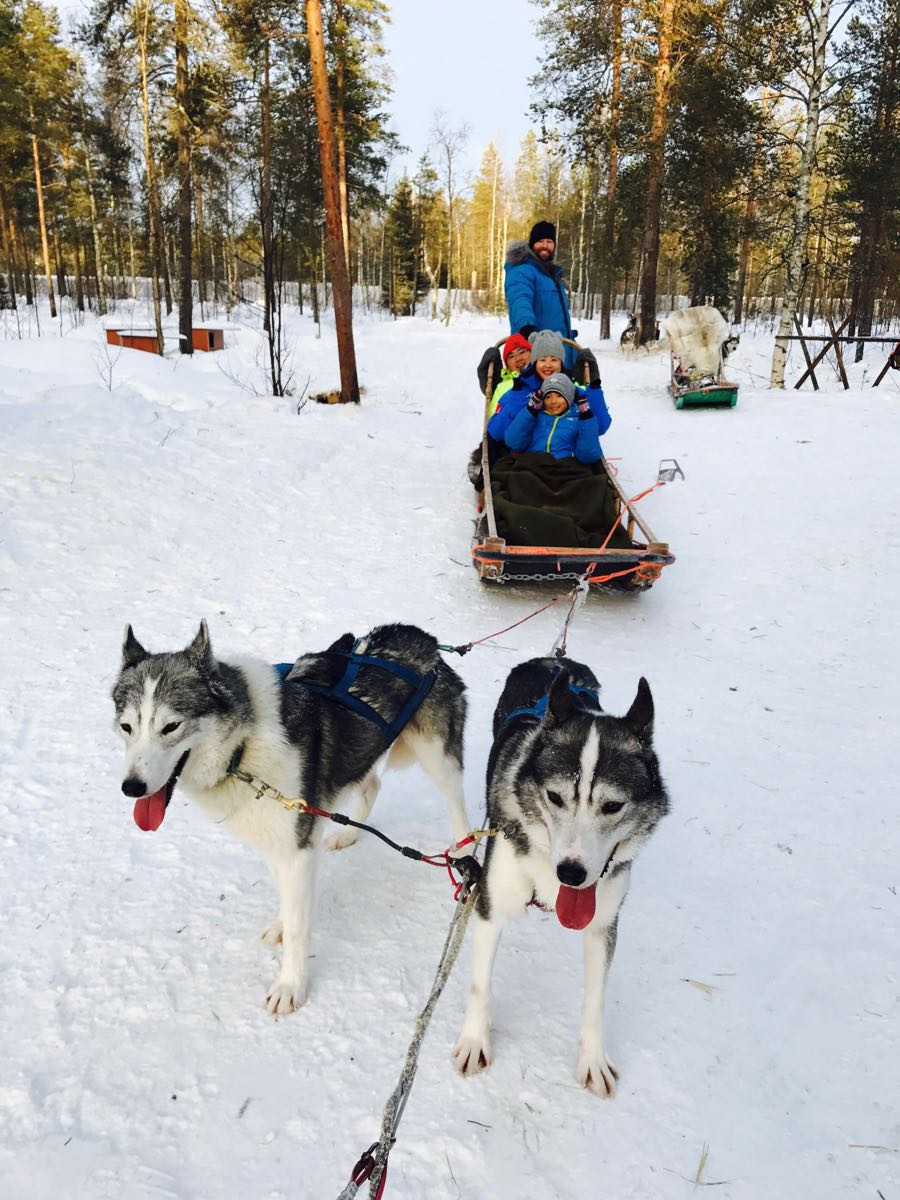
(867, 157)
(400, 270)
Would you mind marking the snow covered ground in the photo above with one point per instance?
(138, 1059)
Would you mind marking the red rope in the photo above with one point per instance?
(622, 511)
(565, 596)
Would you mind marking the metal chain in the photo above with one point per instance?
(554, 578)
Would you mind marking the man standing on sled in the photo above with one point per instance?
(536, 298)
(535, 293)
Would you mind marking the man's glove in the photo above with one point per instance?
(491, 355)
(584, 359)
(584, 409)
(527, 330)
(535, 403)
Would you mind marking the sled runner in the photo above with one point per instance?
(618, 557)
(696, 340)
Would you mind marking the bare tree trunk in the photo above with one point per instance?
(157, 254)
(79, 278)
(609, 228)
(340, 279)
(340, 131)
(200, 241)
(131, 259)
(6, 241)
(15, 234)
(183, 124)
(118, 284)
(656, 164)
(58, 259)
(816, 286)
(579, 286)
(492, 228)
(265, 206)
(95, 231)
(42, 220)
(797, 251)
(449, 260)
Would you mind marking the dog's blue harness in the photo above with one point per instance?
(340, 692)
(539, 710)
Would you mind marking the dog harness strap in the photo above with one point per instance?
(539, 710)
(340, 692)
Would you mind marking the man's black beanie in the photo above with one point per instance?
(541, 230)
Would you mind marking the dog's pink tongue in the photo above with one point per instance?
(575, 907)
(150, 810)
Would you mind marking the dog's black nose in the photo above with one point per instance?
(571, 872)
(134, 787)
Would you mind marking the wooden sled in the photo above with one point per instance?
(496, 561)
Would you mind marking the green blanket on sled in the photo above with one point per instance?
(540, 500)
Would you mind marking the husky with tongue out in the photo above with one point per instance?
(320, 729)
(576, 793)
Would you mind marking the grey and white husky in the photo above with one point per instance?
(576, 793)
(189, 718)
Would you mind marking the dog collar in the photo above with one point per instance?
(235, 761)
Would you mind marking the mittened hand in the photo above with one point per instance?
(535, 403)
(491, 355)
(584, 359)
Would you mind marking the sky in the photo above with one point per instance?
(472, 60)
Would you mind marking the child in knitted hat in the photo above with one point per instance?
(561, 419)
(516, 358)
(547, 351)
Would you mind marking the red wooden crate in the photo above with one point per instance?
(208, 339)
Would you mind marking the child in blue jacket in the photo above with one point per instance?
(546, 358)
(561, 420)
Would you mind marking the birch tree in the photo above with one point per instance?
(809, 87)
(449, 144)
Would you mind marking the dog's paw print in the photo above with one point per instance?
(472, 1053)
(597, 1073)
(285, 995)
(273, 933)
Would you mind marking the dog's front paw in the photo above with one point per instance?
(273, 933)
(285, 995)
(596, 1072)
(472, 1053)
(340, 841)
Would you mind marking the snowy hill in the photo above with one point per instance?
(138, 1057)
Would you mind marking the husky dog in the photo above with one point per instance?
(576, 794)
(186, 717)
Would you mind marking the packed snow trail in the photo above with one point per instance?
(752, 1004)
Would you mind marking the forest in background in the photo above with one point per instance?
(738, 152)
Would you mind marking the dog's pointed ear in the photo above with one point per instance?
(200, 649)
(132, 650)
(639, 717)
(560, 701)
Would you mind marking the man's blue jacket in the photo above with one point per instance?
(535, 294)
